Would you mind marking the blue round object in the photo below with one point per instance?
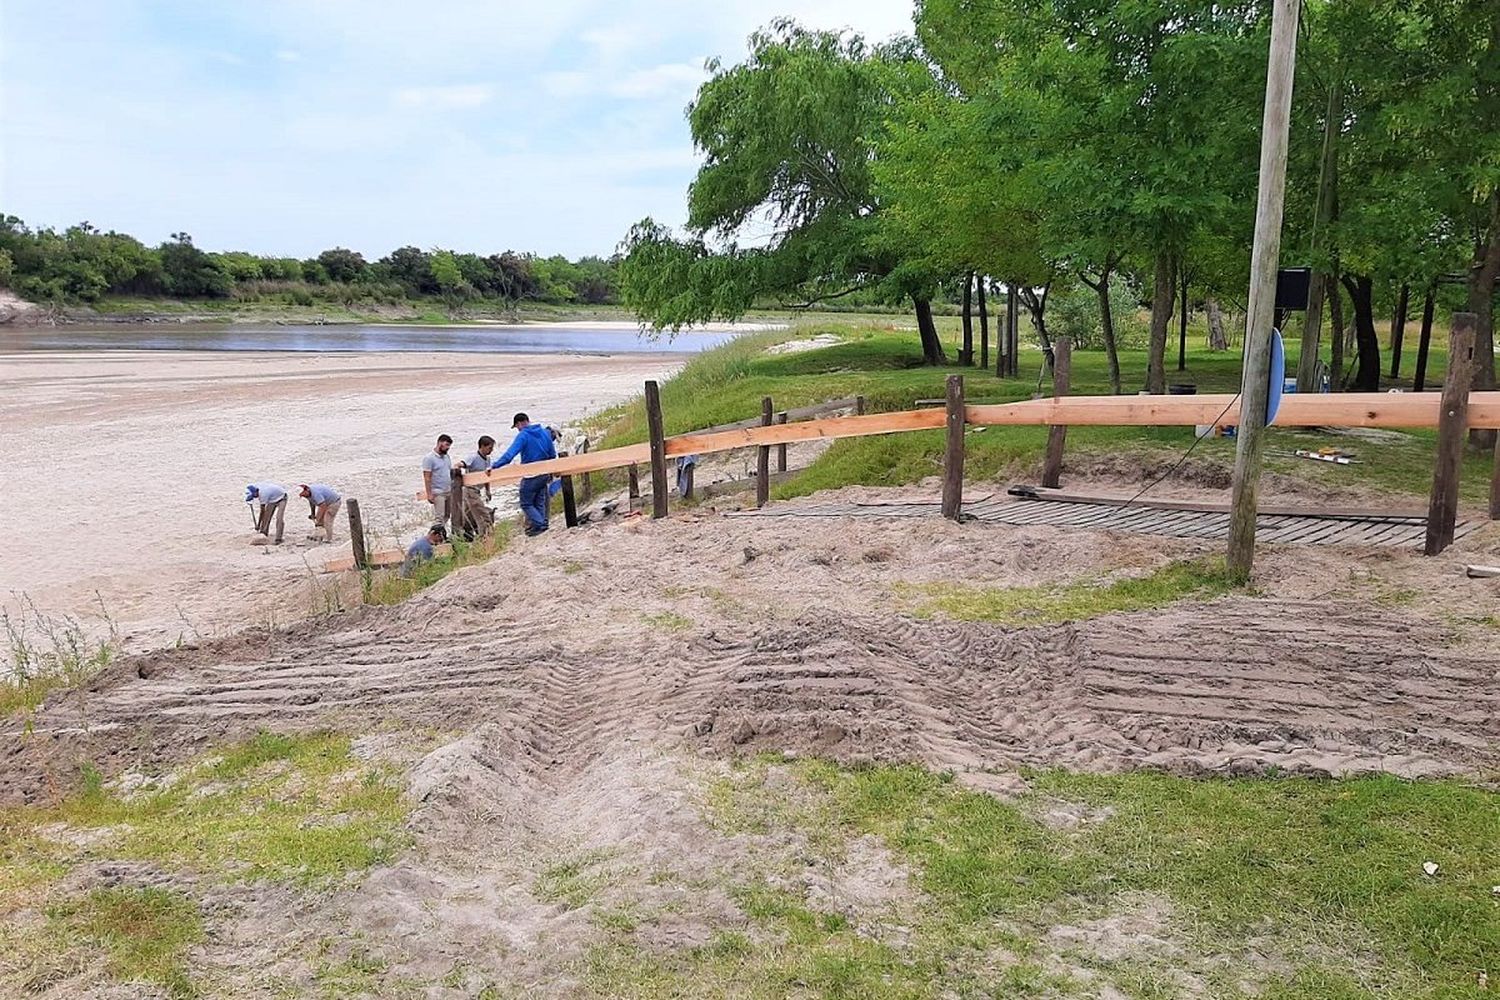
(1278, 376)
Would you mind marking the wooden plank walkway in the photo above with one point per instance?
(1396, 531)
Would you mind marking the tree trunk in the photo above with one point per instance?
(1182, 318)
(1424, 343)
(1336, 324)
(932, 347)
(984, 329)
(1217, 340)
(1482, 279)
(1398, 328)
(1361, 295)
(1012, 329)
(966, 353)
(1161, 314)
(1037, 306)
(1107, 324)
(1312, 320)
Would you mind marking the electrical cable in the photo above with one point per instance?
(1178, 464)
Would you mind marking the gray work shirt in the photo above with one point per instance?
(441, 469)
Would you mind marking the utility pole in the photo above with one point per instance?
(1264, 260)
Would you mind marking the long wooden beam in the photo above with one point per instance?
(1349, 409)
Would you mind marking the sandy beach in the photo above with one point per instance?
(124, 470)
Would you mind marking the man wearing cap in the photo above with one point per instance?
(533, 443)
(437, 478)
(324, 501)
(272, 497)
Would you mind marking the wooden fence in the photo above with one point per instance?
(1452, 412)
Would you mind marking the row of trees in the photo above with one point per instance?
(82, 264)
(1068, 145)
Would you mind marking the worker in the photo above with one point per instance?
(437, 478)
(324, 502)
(533, 443)
(477, 517)
(422, 549)
(272, 497)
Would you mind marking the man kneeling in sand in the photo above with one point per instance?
(324, 501)
(272, 497)
(422, 549)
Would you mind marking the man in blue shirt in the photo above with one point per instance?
(533, 443)
(272, 497)
(324, 501)
(421, 550)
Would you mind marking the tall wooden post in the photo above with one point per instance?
(1453, 419)
(1424, 343)
(635, 483)
(781, 448)
(1062, 367)
(357, 534)
(1264, 258)
(953, 455)
(763, 458)
(859, 406)
(585, 481)
(457, 518)
(1495, 489)
(658, 450)
(570, 502)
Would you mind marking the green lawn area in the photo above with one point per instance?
(880, 360)
(1161, 887)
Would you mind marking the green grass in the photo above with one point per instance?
(144, 933)
(45, 653)
(389, 587)
(298, 809)
(881, 360)
(575, 881)
(1073, 601)
(1323, 878)
(668, 621)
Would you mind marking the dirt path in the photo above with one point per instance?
(125, 470)
(797, 636)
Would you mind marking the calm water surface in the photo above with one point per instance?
(354, 337)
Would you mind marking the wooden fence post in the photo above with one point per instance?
(859, 406)
(357, 535)
(1453, 414)
(1495, 488)
(635, 482)
(1062, 367)
(585, 481)
(781, 448)
(570, 504)
(456, 518)
(953, 458)
(763, 458)
(658, 450)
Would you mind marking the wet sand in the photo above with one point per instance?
(124, 471)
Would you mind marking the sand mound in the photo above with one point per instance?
(732, 634)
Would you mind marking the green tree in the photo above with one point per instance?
(343, 265)
(784, 204)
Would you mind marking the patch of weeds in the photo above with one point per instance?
(1197, 579)
(572, 566)
(390, 587)
(573, 882)
(48, 652)
(288, 808)
(359, 972)
(617, 921)
(668, 621)
(144, 933)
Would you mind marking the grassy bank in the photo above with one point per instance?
(880, 359)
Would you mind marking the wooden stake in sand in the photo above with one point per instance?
(953, 456)
(1453, 421)
(357, 534)
(658, 450)
(763, 457)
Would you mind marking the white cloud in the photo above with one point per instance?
(667, 80)
(450, 98)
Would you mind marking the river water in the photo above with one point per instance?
(596, 338)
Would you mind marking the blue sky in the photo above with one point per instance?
(289, 126)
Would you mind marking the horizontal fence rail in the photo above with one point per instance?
(1367, 409)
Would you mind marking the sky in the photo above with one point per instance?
(290, 126)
